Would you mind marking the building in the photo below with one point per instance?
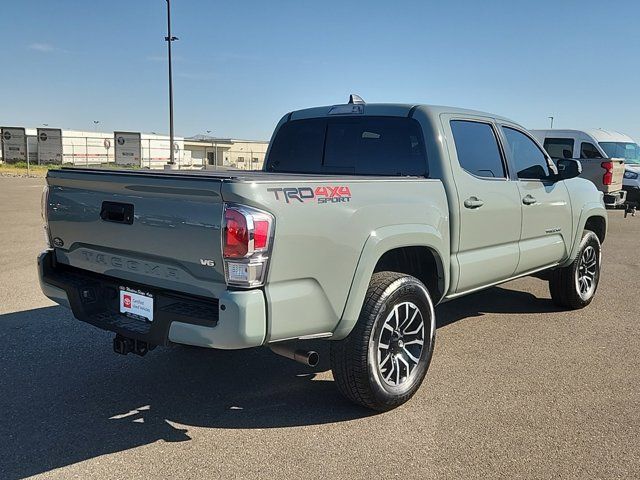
(213, 152)
(144, 150)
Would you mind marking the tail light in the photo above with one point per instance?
(607, 179)
(247, 234)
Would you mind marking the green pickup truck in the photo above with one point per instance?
(364, 218)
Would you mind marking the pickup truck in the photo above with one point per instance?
(365, 217)
(604, 170)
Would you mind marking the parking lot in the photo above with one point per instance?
(516, 389)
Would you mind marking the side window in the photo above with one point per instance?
(588, 150)
(559, 147)
(477, 149)
(530, 163)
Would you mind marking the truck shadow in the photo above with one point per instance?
(493, 300)
(67, 398)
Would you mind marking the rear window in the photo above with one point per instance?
(589, 150)
(559, 147)
(350, 145)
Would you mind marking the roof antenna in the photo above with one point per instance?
(356, 99)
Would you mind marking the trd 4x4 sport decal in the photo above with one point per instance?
(325, 194)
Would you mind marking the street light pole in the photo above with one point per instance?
(551, 118)
(170, 39)
(95, 123)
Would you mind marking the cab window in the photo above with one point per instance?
(529, 161)
(477, 149)
(559, 147)
(588, 150)
(351, 145)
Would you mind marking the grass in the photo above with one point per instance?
(19, 169)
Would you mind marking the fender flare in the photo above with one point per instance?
(377, 244)
(591, 209)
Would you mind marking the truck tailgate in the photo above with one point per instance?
(150, 229)
(592, 170)
(618, 174)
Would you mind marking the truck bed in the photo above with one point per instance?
(231, 175)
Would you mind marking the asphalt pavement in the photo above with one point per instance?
(517, 389)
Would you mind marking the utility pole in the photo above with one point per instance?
(170, 39)
(551, 118)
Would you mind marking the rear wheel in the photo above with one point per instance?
(384, 360)
(575, 285)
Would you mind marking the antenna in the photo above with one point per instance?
(356, 99)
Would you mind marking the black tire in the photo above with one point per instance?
(356, 361)
(565, 284)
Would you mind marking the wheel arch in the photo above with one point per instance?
(592, 217)
(598, 225)
(418, 250)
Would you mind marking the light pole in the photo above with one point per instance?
(551, 118)
(170, 39)
(95, 123)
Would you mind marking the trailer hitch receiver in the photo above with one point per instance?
(124, 345)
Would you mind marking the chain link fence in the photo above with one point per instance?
(100, 151)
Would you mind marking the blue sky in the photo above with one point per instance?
(239, 66)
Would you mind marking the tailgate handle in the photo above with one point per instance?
(117, 212)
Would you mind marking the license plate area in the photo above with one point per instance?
(136, 304)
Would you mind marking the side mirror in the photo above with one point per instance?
(568, 168)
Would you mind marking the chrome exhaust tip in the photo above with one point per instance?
(310, 358)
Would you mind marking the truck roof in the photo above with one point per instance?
(598, 134)
(393, 110)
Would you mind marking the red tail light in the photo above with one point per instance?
(607, 179)
(236, 234)
(246, 239)
(261, 234)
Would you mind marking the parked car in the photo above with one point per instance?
(604, 171)
(365, 218)
(625, 147)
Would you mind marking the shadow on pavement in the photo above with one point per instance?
(66, 397)
(494, 300)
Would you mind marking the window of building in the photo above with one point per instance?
(589, 150)
(559, 147)
(211, 158)
(530, 162)
(241, 159)
(477, 149)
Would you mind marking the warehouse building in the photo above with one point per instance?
(212, 152)
(143, 150)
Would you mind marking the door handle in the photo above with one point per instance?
(529, 200)
(473, 202)
(117, 212)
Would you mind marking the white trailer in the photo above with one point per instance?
(49, 146)
(14, 144)
(128, 148)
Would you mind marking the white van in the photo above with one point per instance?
(600, 152)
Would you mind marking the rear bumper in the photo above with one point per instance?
(235, 320)
(615, 199)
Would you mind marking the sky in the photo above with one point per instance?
(240, 66)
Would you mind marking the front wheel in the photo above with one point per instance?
(575, 285)
(385, 358)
